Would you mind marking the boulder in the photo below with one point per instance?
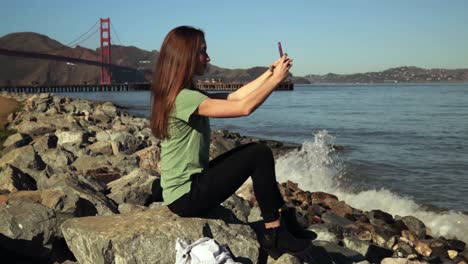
(70, 137)
(134, 188)
(327, 232)
(378, 217)
(12, 179)
(100, 148)
(84, 195)
(52, 199)
(149, 237)
(415, 225)
(16, 140)
(35, 128)
(372, 252)
(24, 157)
(57, 159)
(27, 228)
(149, 158)
(335, 219)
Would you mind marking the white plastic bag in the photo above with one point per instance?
(204, 250)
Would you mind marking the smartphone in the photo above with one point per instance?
(280, 49)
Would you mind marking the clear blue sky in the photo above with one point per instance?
(346, 36)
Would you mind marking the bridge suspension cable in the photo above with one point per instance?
(82, 35)
(119, 51)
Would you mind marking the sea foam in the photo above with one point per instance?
(315, 167)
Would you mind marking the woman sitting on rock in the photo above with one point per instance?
(191, 183)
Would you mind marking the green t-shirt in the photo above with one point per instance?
(186, 151)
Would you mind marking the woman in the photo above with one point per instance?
(191, 184)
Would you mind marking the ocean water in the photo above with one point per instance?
(405, 146)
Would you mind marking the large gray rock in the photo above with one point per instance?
(44, 142)
(35, 128)
(16, 140)
(24, 157)
(415, 225)
(27, 228)
(134, 188)
(149, 237)
(126, 142)
(57, 159)
(339, 254)
(12, 179)
(149, 158)
(372, 252)
(124, 163)
(100, 148)
(84, 195)
(72, 137)
(86, 163)
(327, 232)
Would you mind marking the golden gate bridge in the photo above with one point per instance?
(105, 65)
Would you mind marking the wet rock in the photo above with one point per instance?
(383, 236)
(362, 231)
(423, 249)
(378, 217)
(452, 254)
(12, 179)
(327, 232)
(319, 197)
(415, 225)
(150, 236)
(372, 252)
(134, 188)
(339, 254)
(335, 219)
(457, 245)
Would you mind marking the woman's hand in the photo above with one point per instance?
(280, 68)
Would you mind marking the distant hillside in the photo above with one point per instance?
(403, 74)
(19, 71)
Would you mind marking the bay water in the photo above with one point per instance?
(405, 147)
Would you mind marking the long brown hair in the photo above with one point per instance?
(175, 69)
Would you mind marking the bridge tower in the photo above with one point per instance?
(106, 77)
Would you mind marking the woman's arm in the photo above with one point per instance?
(247, 88)
(240, 93)
(250, 101)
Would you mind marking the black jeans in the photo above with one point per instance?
(226, 174)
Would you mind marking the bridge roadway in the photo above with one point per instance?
(124, 87)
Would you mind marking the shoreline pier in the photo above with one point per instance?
(125, 87)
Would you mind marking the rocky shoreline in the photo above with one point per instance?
(79, 184)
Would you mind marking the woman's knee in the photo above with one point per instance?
(262, 149)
